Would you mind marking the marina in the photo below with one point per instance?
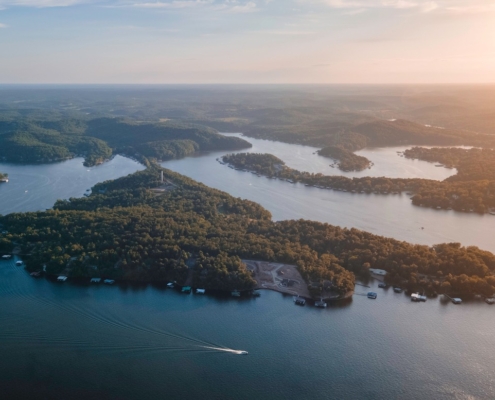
(160, 333)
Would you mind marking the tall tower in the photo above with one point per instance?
(161, 176)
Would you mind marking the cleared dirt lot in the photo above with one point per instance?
(283, 278)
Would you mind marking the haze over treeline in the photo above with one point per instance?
(281, 111)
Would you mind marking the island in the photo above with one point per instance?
(140, 228)
(340, 133)
(4, 177)
(465, 192)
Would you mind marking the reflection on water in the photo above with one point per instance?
(61, 341)
(387, 161)
(392, 216)
(37, 187)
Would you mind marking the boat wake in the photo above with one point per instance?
(227, 350)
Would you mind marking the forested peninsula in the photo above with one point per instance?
(137, 229)
(34, 140)
(348, 161)
(472, 164)
(477, 195)
(3, 177)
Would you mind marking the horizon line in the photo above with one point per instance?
(255, 84)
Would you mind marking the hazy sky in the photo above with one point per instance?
(247, 41)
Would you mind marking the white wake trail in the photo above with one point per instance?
(226, 350)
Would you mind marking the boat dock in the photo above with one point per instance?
(455, 300)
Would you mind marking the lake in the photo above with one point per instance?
(391, 216)
(37, 187)
(61, 341)
(76, 341)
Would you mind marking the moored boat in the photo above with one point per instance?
(299, 301)
(320, 304)
(417, 297)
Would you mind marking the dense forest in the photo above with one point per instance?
(30, 140)
(348, 161)
(192, 233)
(472, 164)
(264, 164)
(469, 196)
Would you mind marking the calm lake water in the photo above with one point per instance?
(37, 187)
(392, 216)
(68, 341)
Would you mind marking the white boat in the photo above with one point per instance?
(200, 291)
(320, 304)
(62, 278)
(244, 353)
(236, 293)
(6, 257)
(95, 280)
(170, 285)
(417, 297)
(490, 300)
(19, 263)
(109, 281)
(372, 295)
(456, 300)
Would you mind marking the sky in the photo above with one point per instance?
(247, 41)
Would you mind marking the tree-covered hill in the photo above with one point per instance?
(28, 140)
(126, 231)
(347, 160)
(472, 164)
